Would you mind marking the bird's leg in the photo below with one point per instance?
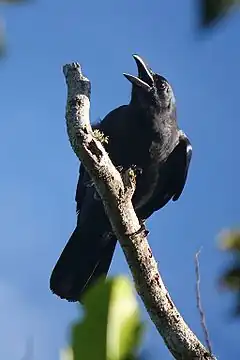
(142, 228)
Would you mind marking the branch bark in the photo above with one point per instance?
(116, 193)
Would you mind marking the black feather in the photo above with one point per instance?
(143, 133)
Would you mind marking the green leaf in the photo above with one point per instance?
(111, 328)
(214, 10)
(231, 278)
(230, 240)
(66, 354)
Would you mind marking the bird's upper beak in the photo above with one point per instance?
(145, 78)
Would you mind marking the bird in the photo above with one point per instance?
(143, 134)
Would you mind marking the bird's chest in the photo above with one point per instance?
(157, 149)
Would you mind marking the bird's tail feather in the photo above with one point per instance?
(85, 258)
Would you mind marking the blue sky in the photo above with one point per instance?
(39, 170)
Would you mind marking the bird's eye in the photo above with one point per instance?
(162, 85)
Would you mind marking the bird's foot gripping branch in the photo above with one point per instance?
(116, 196)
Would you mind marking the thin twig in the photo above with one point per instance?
(199, 303)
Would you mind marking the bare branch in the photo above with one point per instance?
(116, 197)
(199, 303)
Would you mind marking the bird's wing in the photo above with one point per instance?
(182, 155)
(83, 182)
(172, 178)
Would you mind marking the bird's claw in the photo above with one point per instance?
(137, 170)
(142, 230)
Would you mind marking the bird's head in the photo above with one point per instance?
(150, 89)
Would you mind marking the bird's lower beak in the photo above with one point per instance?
(145, 78)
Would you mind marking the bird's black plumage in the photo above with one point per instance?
(145, 134)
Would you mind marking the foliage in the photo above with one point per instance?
(99, 135)
(111, 328)
(211, 11)
(231, 277)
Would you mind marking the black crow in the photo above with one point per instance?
(145, 134)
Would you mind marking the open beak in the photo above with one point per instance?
(145, 78)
